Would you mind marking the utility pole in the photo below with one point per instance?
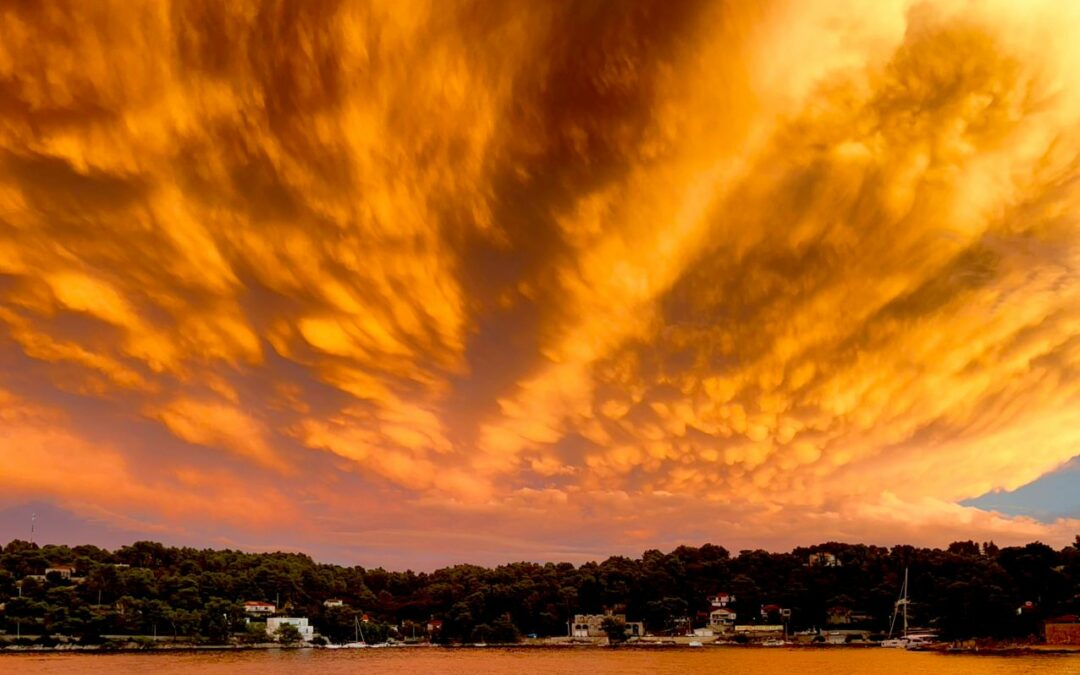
(33, 517)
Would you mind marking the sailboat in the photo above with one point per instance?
(358, 642)
(900, 607)
(906, 640)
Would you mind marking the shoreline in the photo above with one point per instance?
(133, 648)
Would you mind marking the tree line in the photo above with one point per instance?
(965, 590)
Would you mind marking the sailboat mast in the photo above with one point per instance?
(900, 606)
(905, 601)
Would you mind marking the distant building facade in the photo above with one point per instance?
(307, 632)
(722, 619)
(333, 602)
(592, 625)
(760, 629)
(721, 600)
(257, 608)
(1063, 631)
(63, 571)
(838, 616)
(774, 612)
(823, 559)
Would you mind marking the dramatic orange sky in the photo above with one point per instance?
(424, 281)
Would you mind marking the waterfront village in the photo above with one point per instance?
(262, 622)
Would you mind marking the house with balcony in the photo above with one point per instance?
(722, 620)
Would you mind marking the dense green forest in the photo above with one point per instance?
(146, 588)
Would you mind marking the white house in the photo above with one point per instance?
(257, 608)
(722, 619)
(275, 622)
(65, 571)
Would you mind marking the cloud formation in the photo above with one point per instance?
(570, 278)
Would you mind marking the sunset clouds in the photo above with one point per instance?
(542, 280)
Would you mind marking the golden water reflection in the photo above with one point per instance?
(514, 661)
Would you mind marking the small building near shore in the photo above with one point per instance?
(307, 631)
(592, 625)
(1063, 630)
(722, 620)
(838, 615)
(760, 630)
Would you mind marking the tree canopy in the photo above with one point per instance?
(146, 588)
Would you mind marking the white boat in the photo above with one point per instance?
(919, 642)
(694, 643)
(773, 643)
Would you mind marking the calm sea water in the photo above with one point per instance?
(536, 662)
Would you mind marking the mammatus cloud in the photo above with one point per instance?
(539, 279)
